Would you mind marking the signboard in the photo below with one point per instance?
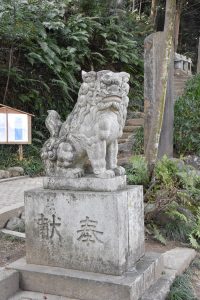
(15, 126)
(3, 128)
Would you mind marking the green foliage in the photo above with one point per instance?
(156, 234)
(31, 163)
(187, 119)
(137, 172)
(138, 146)
(175, 192)
(52, 41)
(194, 235)
(165, 172)
(181, 288)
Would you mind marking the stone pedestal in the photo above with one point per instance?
(87, 245)
(101, 232)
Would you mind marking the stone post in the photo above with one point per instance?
(153, 56)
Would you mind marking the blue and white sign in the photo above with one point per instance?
(17, 128)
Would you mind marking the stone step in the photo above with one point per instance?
(131, 128)
(123, 161)
(160, 289)
(9, 283)
(126, 135)
(27, 295)
(121, 141)
(88, 285)
(176, 261)
(182, 82)
(135, 122)
(180, 85)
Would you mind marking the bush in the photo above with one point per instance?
(138, 146)
(31, 163)
(187, 119)
(174, 194)
(137, 172)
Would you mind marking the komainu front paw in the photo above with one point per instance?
(119, 171)
(106, 174)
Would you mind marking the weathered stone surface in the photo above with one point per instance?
(4, 174)
(178, 259)
(88, 183)
(160, 289)
(16, 224)
(88, 285)
(9, 283)
(15, 171)
(90, 231)
(10, 211)
(91, 130)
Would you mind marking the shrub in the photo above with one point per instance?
(137, 172)
(138, 146)
(175, 192)
(187, 119)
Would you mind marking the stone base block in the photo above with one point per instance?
(88, 285)
(87, 183)
(99, 232)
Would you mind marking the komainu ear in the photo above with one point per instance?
(89, 76)
(125, 75)
(83, 74)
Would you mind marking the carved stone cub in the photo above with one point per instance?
(91, 130)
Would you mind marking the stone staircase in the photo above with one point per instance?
(180, 79)
(126, 142)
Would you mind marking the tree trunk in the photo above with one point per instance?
(198, 62)
(157, 122)
(153, 11)
(133, 5)
(177, 23)
(140, 8)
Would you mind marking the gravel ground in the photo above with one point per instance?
(10, 249)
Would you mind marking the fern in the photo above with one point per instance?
(157, 235)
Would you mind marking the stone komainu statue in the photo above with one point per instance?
(91, 130)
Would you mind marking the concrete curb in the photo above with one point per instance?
(8, 212)
(14, 178)
(16, 234)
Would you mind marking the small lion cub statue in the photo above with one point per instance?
(91, 130)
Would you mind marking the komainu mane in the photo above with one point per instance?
(91, 130)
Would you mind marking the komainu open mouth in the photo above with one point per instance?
(113, 98)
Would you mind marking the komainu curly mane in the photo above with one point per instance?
(92, 128)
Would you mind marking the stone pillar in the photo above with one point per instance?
(153, 56)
